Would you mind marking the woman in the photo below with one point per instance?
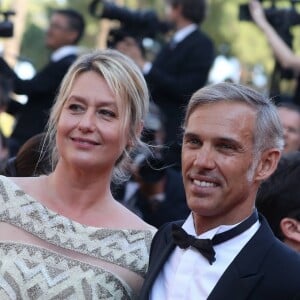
(63, 236)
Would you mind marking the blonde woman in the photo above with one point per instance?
(63, 235)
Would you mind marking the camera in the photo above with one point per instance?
(138, 24)
(6, 26)
(281, 19)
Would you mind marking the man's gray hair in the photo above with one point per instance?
(268, 132)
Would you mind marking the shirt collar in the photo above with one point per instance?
(63, 52)
(189, 227)
(184, 32)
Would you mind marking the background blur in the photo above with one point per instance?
(244, 54)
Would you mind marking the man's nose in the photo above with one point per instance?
(205, 158)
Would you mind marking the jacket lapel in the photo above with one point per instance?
(163, 247)
(158, 264)
(245, 272)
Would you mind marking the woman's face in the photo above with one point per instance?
(90, 130)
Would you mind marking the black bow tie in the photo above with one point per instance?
(205, 246)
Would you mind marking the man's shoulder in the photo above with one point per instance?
(168, 226)
(164, 232)
(162, 241)
(265, 251)
(61, 65)
(200, 42)
(285, 255)
(68, 59)
(281, 267)
(200, 36)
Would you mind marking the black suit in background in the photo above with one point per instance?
(41, 91)
(265, 269)
(172, 208)
(175, 75)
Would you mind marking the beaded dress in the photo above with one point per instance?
(44, 255)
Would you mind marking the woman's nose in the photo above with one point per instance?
(87, 121)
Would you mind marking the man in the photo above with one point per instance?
(180, 68)
(289, 114)
(278, 199)
(65, 30)
(232, 142)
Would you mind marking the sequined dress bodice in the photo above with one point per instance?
(44, 255)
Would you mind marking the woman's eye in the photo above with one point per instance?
(75, 107)
(107, 113)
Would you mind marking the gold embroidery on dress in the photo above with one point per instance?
(45, 255)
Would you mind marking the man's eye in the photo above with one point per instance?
(192, 141)
(226, 146)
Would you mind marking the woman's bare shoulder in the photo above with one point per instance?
(28, 183)
(32, 186)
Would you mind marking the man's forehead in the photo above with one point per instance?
(224, 109)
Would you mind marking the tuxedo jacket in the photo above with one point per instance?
(176, 74)
(265, 269)
(41, 91)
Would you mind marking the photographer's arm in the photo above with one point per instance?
(282, 52)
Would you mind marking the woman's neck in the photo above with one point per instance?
(78, 191)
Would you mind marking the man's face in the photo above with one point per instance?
(59, 32)
(217, 161)
(290, 121)
(172, 13)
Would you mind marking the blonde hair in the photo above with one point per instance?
(127, 83)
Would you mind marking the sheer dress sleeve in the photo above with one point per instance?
(44, 255)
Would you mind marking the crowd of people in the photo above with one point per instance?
(139, 180)
(65, 30)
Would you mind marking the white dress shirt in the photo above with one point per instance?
(64, 51)
(178, 37)
(187, 275)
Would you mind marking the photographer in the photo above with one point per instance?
(180, 68)
(65, 30)
(284, 55)
(159, 197)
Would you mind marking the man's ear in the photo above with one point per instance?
(267, 164)
(72, 36)
(291, 229)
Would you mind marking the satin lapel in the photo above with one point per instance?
(163, 247)
(246, 271)
(160, 260)
(234, 286)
